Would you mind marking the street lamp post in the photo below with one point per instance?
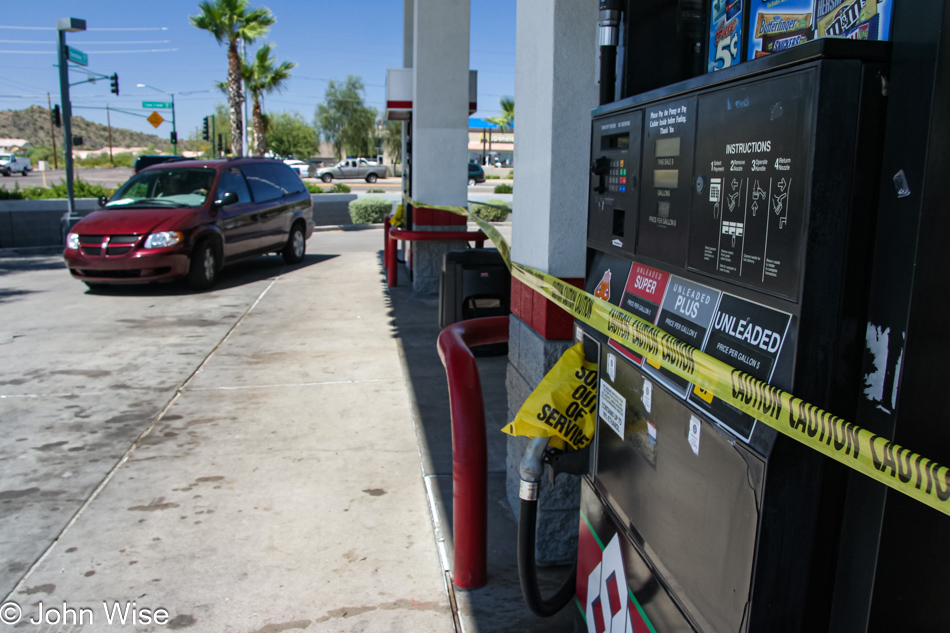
(174, 132)
(64, 25)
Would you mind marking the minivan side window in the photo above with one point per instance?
(232, 180)
(269, 181)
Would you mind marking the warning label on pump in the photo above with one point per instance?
(613, 407)
(876, 457)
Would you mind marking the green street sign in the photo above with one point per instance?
(77, 56)
(157, 105)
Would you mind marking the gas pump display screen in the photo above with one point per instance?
(615, 141)
(747, 223)
(663, 223)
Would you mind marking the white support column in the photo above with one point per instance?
(555, 91)
(439, 122)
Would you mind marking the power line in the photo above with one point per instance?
(85, 42)
(53, 28)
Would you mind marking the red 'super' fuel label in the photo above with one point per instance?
(642, 296)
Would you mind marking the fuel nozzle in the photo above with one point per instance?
(608, 36)
(609, 22)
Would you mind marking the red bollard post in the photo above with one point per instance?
(469, 445)
(392, 274)
(386, 245)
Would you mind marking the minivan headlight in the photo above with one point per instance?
(163, 239)
(72, 241)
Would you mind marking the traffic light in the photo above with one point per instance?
(114, 81)
(57, 118)
(205, 135)
(174, 138)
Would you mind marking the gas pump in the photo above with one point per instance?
(733, 204)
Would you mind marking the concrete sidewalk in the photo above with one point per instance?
(300, 478)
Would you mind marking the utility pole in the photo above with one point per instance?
(109, 121)
(64, 25)
(52, 131)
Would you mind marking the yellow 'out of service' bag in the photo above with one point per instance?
(564, 406)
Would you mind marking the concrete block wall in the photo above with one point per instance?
(530, 357)
(32, 223)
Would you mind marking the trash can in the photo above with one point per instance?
(474, 283)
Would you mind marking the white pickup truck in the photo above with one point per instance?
(353, 168)
(10, 163)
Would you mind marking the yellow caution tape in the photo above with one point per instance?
(876, 457)
(397, 219)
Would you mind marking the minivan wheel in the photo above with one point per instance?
(471, 182)
(296, 246)
(371, 178)
(326, 177)
(203, 268)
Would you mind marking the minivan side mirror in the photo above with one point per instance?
(229, 197)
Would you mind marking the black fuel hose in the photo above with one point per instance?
(527, 572)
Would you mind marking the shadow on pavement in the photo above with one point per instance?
(499, 606)
(239, 274)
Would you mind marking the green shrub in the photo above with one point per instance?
(376, 191)
(312, 188)
(492, 177)
(492, 213)
(511, 174)
(370, 210)
(339, 187)
(504, 188)
(81, 189)
(11, 195)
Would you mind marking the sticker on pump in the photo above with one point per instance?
(613, 407)
(694, 429)
(647, 397)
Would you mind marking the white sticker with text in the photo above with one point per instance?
(612, 407)
(694, 427)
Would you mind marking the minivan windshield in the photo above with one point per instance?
(165, 187)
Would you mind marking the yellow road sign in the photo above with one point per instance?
(155, 119)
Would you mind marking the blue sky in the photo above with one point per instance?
(153, 43)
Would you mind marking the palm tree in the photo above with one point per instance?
(230, 21)
(507, 118)
(263, 77)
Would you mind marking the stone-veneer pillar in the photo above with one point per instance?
(555, 91)
(440, 107)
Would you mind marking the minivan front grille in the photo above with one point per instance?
(92, 245)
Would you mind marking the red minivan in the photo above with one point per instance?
(190, 219)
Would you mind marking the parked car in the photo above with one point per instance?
(148, 160)
(353, 168)
(10, 163)
(475, 174)
(189, 219)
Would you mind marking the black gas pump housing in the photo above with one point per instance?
(723, 523)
